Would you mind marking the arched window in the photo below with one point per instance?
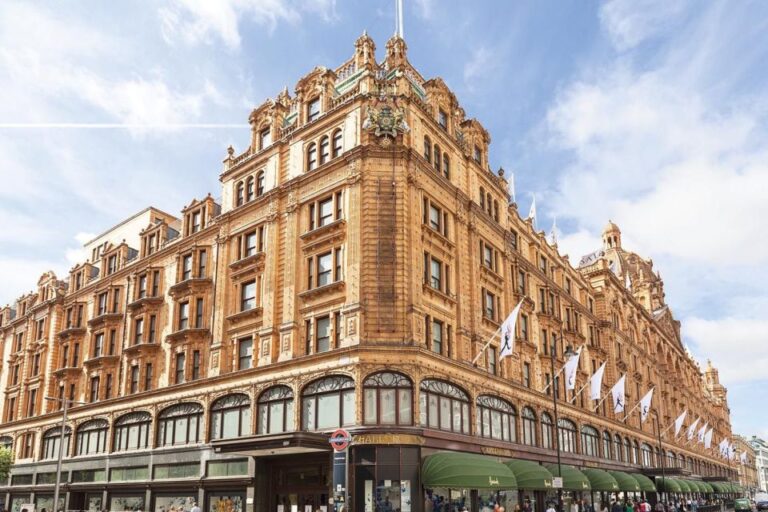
(328, 403)
(6, 442)
(260, 184)
(387, 399)
(488, 202)
(337, 143)
(627, 455)
(132, 431)
(444, 406)
(647, 452)
(275, 411)
(496, 418)
(231, 416)
(446, 166)
(566, 435)
(590, 441)
(249, 189)
(681, 459)
(607, 445)
(311, 156)
(546, 431)
(179, 424)
(51, 440)
(427, 149)
(482, 198)
(671, 459)
(635, 452)
(240, 194)
(529, 426)
(617, 447)
(437, 158)
(92, 437)
(325, 149)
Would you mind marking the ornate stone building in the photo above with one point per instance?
(746, 465)
(362, 255)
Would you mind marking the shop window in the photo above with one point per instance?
(132, 431)
(231, 416)
(128, 474)
(590, 440)
(443, 406)
(51, 440)
(179, 424)
(328, 403)
(238, 467)
(275, 410)
(529, 426)
(547, 438)
(92, 437)
(126, 502)
(387, 399)
(496, 419)
(184, 470)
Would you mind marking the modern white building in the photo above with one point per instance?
(761, 461)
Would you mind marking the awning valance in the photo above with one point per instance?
(684, 487)
(601, 480)
(530, 475)
(719, 487)
(466, 470)
(573, 479)
(667, 484)
(646, 484)
(626, 482)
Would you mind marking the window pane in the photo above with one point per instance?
(324, 265)
(388, 404)
(349, 408)
(456, 415)
(369, 397)
(262, 427)
(433, 414)
(276, 417)
(405, 406)
(445, 413)
(328, 411)
(289, 426)
(231, 423)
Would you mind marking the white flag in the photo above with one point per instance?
(692, 429)
(508, 333)
(596, 383)
(617, 392)
(627, 281)
(532, 212)
(645, 405)
(723, 448)
(570, 371)
(743, 458)
(679, 422)
(512, 186)
(708, 439)
(553, 232)
(702, 432)
(731, 451)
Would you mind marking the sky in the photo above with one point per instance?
(652, 113)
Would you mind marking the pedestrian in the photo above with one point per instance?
(194, 508)
(604, 507)
(551, 507)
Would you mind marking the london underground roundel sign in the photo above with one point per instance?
(340, 439)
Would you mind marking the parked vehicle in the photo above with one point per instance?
(761, 500)
(742, 504)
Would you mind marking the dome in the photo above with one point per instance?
(611, 228)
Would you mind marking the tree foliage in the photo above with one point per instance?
(6, 460)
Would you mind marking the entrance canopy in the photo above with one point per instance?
(466, 470)
(684, 487)
(626, 482)
(646, 484)
(530, 475)
(274, 444)
(601, 480)
(573, 479)
(667, 485)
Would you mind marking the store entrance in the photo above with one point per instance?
(300, 483)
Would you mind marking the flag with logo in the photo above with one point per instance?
(692, 429)
(702, 432)
(596, 383)
(508, 333)
(679, 422)
(570, 371)
(708, 439)
(617, 393)
(731, 451)
(645, 405)
(723, 448)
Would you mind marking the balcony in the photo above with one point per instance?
(190, 333)
(145, 302)
(102, 360)
(246, 263)
(67, 370)
(190, 286)
(104, 319)
(144, 347)
(71, 332)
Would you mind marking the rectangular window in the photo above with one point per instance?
(98, 345)
(492, 363)
(147, 376)
(182, 470)
(134, 379)
(180, 368)
(138, 331)
(76, 355)
(112, 264)
(325, 212)
(199, 313)
(36, 365)
(313, 110)
(248, 295)
(442, 119)
(116, 300)
(142, 288)
(488, 256)
(195, 365)
(524, 327)
(196, 221)
(324, 334)
(31, 403)
(478, 155)
(102, 304)
(435, 274)
(227, 468)
(527, 375)
(108, 390)
(324, 269)
(245, 353)
(152, 328)
(40, 329)
(436, 329)
(202, 261)
(249, 244)
(183, 315)
(186, 267)
(94, 389)
(156, 283)
(521, 287)
(489, 304)
(543, 264)
(265, 138)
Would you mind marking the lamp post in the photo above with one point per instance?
(555, 389)
(65, 405)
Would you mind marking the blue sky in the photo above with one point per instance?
(649, 112)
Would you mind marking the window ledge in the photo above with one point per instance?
(242, 315)
(100, 360)
(334, 226)
(61, 372)
(489, 322)
(188, 285)
(148, 301)
(104, 319)
(449, 297)
(71, 331)
(247, 261)
(496, 278)
(429, 233)
(187, 334)
(141, 347)
(321, 290)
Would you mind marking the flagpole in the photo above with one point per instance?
(606, 396)
(635, 407)
(561, 370)
(580, 390)
(661, 452)
(486, 346)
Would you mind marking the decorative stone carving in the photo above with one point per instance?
(386, 121)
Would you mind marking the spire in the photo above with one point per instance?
(553, 231)
(399, 19)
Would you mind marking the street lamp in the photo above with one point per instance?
(65, 406)
(555, 389)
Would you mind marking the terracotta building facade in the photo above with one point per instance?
(362, 254)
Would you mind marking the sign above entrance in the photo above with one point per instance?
(557, 482)
(340, 439)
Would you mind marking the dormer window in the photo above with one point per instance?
(78, 280)
(151, 244)
(112, 264)
(478, 155)
(442, 119)
(265, 138)
(313, 110)
(196, 225)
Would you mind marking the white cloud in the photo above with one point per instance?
(75, 255)
(630, 22)
(477, 66)
(19, 276)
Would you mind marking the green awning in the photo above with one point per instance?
(694, 485)
(738, 488)
(719, 487)
(530, 475)
(684, 487)
(626, 482)
(667, 484)
(707, 488)
(646, 484)
(573, 479)
(466, 470)
(601, 480)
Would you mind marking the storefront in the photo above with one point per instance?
(603, 484)
(533, 482)
(576, 486)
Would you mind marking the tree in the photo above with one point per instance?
(6, 459)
